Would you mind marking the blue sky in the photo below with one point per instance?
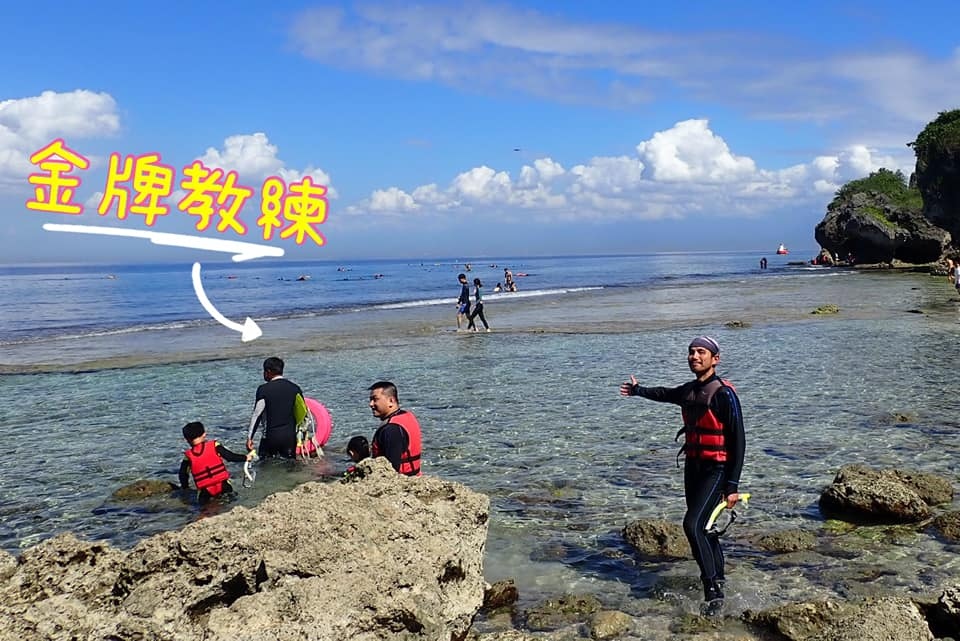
(476, 129)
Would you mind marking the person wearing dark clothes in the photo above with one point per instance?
(204, 461)
(463, 302)
(357, 449)
(398, 436)
(714, 446)
(279, 408)
(478, 306)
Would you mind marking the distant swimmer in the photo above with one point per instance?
(303, 277)
(508, 283)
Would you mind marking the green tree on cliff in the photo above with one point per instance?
(893, 184)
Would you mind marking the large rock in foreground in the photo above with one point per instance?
(859, 493)
(388, 557)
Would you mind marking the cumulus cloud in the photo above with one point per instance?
(254, 157)
(27, 124)
(685, 170)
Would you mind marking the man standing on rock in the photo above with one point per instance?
(713, 448)
(398, 437)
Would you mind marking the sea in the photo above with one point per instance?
(101, 366)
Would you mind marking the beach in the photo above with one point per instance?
(530, 415)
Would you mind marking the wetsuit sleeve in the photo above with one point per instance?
(726, 407)
(185, 474)
(661, 394)
(233, 457)
(257, 412)
(393, 443)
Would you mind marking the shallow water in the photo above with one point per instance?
(530, 415)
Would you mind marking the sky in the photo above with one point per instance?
(462, 129)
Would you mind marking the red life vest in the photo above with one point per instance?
(207, 467)
(703, 432)
(410, 460)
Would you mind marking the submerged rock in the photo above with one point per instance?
(787, 541)
(144, 488)
(826, 309)
(557, 613)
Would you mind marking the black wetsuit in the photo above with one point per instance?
(705, 482)
(464, 300)
(279, 423)
(203, 496)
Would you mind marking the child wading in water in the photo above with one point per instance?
(204, 461)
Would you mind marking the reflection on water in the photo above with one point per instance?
(530, 415)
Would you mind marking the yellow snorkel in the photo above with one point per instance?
(711, 526)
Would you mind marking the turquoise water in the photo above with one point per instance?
(530, 414)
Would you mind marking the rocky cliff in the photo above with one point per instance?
(881, 218)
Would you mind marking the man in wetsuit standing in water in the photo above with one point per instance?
(713, 448)
(279, 408)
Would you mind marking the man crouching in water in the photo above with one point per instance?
(713, 447)
(398, 437)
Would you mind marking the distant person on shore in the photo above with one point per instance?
(713, 448)
(508, 282)
(463, 302)
(763, 263)
(204, 461)
(953, 273)
(477, 306)
(398, 436)
(279, 408)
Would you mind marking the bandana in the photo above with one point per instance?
(707, 343)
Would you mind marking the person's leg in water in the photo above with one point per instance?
(703, 483)
(479, 312)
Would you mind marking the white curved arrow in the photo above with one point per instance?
(249, 331)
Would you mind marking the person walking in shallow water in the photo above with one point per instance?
(713, 447)
(477, 306)
(463, 301)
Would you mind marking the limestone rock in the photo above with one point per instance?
(787, 541)
(499, 595)
(859, 493)
(144, 488)
(657, 539)
(387, 557)
(610, 624)
(880, 619)
(933, 489)
(556, 613)
(948, 526)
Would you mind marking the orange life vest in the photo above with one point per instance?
(207, 467)
(410, 460)
(703, 432)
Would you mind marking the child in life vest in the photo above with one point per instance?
(204, 461)
(358, 449)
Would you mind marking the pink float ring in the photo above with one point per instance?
(323, 424)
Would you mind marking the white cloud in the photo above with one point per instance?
(254, 157)
(28, 124)
(690, 152)
(682, 171)
(496, 48)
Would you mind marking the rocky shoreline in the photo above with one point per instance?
(389, 557)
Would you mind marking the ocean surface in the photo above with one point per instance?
(100, 367)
